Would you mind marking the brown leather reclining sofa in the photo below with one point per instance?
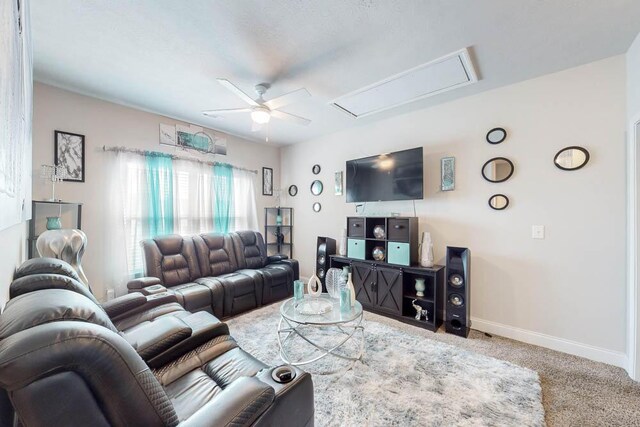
(224, 274)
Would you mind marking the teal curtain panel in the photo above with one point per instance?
(160, 182)
(223, 212)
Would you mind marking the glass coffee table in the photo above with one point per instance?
(302, 318)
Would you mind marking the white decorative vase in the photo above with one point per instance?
(342, 248)
(67, 244)
(420, 287)
(426, 250)
(314, 287)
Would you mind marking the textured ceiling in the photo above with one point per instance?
(164, 55)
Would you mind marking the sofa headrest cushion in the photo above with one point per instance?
(215, 254)
(248, 237)
(38, 282)
(50, 305)
(171, 244)
(213, 240)
(46, 265)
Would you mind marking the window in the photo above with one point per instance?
(163, 196)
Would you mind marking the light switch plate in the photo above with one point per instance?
(537, 231)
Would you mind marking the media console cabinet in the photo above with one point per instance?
(389, 289)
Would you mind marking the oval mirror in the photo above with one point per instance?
(498, 202)
(316, 169)
(293, 190)
(317, 207)
(571, 158)
(496, 135)
(498, 169)
(316, 187)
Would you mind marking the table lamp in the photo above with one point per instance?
(53, 173)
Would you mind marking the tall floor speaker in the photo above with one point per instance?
(458, 292)
(325, 247)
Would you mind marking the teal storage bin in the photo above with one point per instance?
(355, 248)
(398, 253)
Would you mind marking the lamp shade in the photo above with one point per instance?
(261, 115)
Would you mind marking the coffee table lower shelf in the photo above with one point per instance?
(291, 329)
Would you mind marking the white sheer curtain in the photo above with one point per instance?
(193, 209)
(127, 218)
(246, 212)
(193, 198)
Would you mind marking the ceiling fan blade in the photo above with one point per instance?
(255, 127)
(288, 98)
(226, 111)
(290, 117)
(233, 88)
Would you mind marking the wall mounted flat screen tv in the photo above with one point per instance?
(389, 176)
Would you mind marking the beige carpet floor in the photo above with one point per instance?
(575, 391)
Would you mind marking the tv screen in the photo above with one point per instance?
(390, 176)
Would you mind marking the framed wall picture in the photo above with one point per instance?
(267, 182)
(168, 135)
(338, 183)
(69, 153)
(448, 173)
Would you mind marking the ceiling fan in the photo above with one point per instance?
(262, 111)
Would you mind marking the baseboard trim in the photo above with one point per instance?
(575, 348)
(597, 354)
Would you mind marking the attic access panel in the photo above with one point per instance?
(443, 74)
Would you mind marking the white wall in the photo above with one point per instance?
(105, 123)
(566, 292)
(633, 79)
(633, 115)
(13, 241)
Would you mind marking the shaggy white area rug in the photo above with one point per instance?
(403, 379)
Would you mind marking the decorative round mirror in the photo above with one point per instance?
(498, 169)
(293, 190)
(316, 169)
(317, 207)
(499, 202)
(496, 135)
(316, 187)
(571, 158)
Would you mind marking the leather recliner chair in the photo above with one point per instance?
(173, 262)
(240, 290)
(62, 363)
(277, 273)
(127, 311)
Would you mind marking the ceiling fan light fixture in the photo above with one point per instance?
(261, 115)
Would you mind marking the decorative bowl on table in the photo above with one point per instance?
(314, 306)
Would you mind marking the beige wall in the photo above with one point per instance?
(105, 123)
(566, 291)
